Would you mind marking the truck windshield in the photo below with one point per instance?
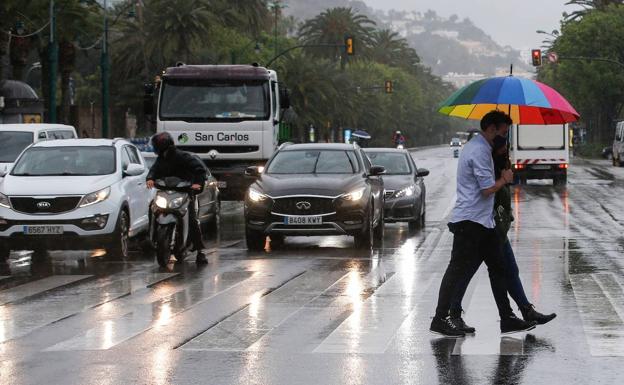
(541, 137)
(12, 143)
(193, 100)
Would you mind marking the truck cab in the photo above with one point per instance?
(229, 115)
(540, 152)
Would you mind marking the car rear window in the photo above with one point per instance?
(12, 143)
(395, 163)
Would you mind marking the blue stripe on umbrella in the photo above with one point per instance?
(533, 96)
(511, 91)
(489, 92)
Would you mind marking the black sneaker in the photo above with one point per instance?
(513, 324)
(201, 258)
(530, 314)
(445, 327)
(461, 325)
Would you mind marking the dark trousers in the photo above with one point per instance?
(514, 284)
(194, 228)
(472, 245)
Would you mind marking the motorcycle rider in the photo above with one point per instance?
(398, 138)
(181, 164)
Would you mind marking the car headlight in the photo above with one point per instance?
(256, 196)
(95, 197)
(355, 195)
(4, 201)
(405, 192)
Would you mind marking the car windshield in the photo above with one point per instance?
(196, 101)
(12, 143)
(314, 162)
(395, 163)
(66, 161)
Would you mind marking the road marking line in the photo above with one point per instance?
(604, 330)
(37, 287)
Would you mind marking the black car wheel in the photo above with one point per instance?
(378, 232)
(364, 240)
(121, 238)
(419, 223)
(4, 253)
(255, 240)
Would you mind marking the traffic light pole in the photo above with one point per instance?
(302, 46)
(104, 65)
(53, 65)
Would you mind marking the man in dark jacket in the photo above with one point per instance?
(181, 164)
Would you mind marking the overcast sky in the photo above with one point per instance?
(508, 22)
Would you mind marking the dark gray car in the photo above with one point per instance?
(404, 186)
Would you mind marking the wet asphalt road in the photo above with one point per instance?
(319, 312)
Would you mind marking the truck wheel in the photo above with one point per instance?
(121, 238)
(255, 240)
(616, 162)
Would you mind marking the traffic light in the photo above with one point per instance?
(536, 57)
(388, 86)
(349, 46)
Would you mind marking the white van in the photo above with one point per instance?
(540, 152)
(14, 138)
(618, 145)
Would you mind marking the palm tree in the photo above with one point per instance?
(389, 48)
(588, 6)
(332, 26)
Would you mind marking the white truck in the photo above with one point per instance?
(540, 152)
(229, 115)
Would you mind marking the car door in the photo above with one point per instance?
(137, 194)
(376, 183)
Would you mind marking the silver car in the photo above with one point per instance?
(404, 186)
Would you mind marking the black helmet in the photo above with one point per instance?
(162, 142)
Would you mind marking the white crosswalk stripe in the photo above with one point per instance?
(37, 287)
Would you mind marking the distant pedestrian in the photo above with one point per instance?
(85, 134)
(475, 240)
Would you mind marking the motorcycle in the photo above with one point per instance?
(169, 229)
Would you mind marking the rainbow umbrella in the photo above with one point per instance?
(526, 101)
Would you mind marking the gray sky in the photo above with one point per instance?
(509, 22)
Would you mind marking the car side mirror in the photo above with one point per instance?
(253, 171)
(134, 169)
(377, 170)
(3, 172)
(422, 172)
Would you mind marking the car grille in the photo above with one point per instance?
(388, 193)
(56, 205)
(317, 206)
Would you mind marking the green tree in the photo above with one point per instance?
(588, 6)
(332, 25)
(387, 47)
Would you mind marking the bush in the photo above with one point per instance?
(589, 150)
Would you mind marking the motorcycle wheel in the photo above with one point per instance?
(163, 244)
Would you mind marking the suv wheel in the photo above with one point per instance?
(364, 240)
(255, 240)
(121, 238)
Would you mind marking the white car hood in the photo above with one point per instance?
(55, 185)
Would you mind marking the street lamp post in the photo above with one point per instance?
(53, 64)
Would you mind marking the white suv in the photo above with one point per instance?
(74, 194)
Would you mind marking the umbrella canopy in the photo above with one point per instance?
(526, 101)
(361, 134)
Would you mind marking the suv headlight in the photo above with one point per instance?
(355, 195)
(95, 197)
(405, 192)
(256, 196)
(4, 201)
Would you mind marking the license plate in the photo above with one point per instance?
(221, 184)
(43, 230)
(303, 220)
(541, 167)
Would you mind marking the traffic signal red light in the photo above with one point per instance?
(536, 57)
(388, 86)
(349, 46)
